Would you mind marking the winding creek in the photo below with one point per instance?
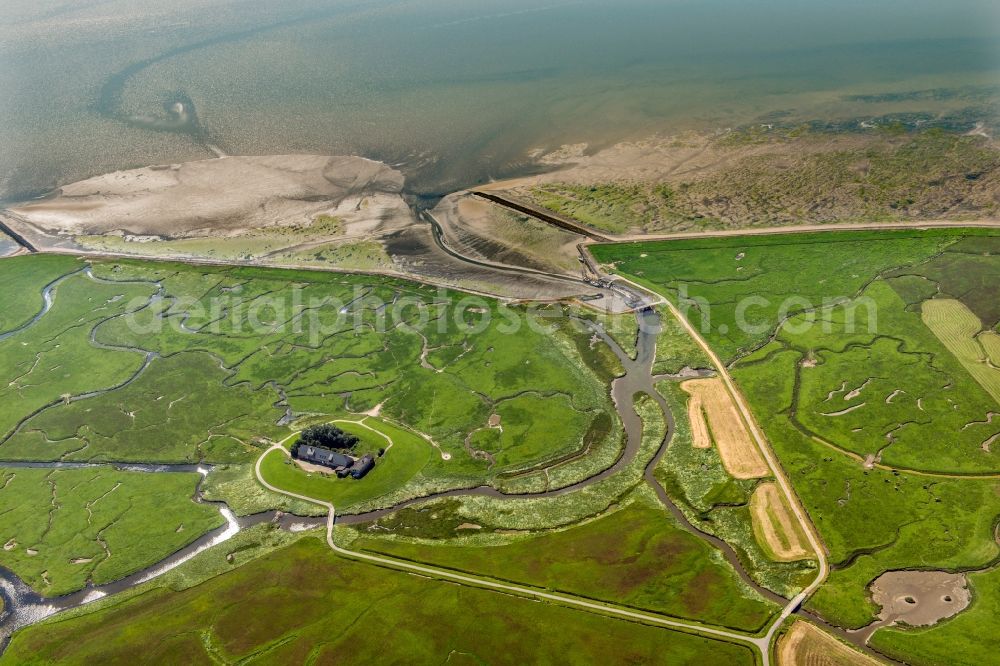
(48, 298)
(23, 606)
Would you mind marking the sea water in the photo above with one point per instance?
(455, 92)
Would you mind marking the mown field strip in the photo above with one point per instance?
(773, 524)
(990, 340)
(806, 644)
(700, 437)
(956, 326)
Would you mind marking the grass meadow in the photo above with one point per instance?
(303, 604)
(810, 267)
(404, 459)
(161, 362)
(23, 279)
(178, 410)
(636, 556)
(54, 358)
(64, 528)
(882, 429)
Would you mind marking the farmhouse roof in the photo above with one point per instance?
(326, 457)
(362, 466)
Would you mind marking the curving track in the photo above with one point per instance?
(637, 379)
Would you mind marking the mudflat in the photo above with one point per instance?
(219, 196)
(920, 598)
(301, 211)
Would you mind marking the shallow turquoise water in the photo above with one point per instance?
(460, 91)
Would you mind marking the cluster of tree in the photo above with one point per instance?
(327, 436)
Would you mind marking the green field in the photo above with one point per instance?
(403, 460)
(782, 274)
(966, 639)
(64, 528)
(636, 556)
(54, 359)
(167, 363)
(23, 279)
(873, 520)
(303, 604)
(937, 419)
(331, 362)
(881, 427)
(227, 344)
(443, 517)
(178, 410)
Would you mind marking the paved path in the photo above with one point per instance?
(776, 470)
(812, 228)
(761, 644)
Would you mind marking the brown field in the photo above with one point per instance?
(774, 527)
(714, 418)
(807, 645)
(700, 437)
